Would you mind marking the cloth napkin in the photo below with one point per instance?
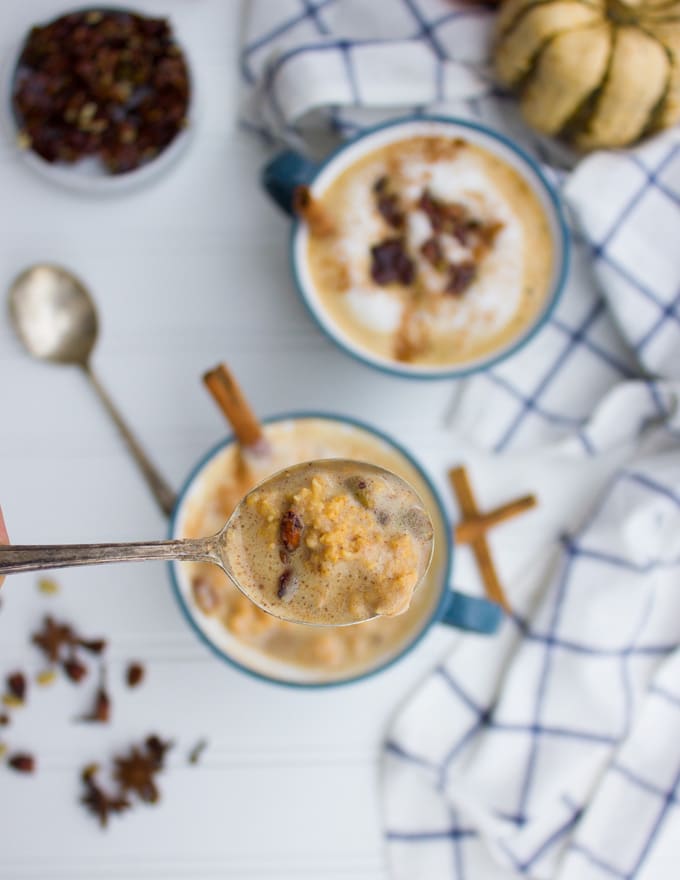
(316, 70)
(553, 751)
(556, 754)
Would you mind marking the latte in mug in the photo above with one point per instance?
(430, 251)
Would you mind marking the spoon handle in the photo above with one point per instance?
(36, 557)
(160, 489)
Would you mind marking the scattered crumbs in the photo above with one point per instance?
(101, 709)
(74, 669)
(48, 586)
(22, 762)
(16, 685)
(134, 674)
(46, 677)
(196, 752)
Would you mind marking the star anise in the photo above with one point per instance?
(53, 638)
(97, 800)
(137, 770)
(94, 646)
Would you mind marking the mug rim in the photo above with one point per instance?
(446, 577)
(561, 239)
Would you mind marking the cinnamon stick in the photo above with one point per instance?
(477, 526)
(309, 209)
(461, 486)
(227, 394)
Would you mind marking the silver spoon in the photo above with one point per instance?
(218, 548)
(55, 317)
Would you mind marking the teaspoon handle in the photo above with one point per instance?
(163, 494)
(36, 557)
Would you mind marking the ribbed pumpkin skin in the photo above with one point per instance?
(598, 73)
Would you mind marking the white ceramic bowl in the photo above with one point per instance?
(88, 176)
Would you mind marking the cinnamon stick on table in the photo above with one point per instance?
(461, 486)
(477, 526)
(228, 395)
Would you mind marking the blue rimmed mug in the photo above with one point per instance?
(289, 169)
(446, 606)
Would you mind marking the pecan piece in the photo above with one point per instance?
(290, 530)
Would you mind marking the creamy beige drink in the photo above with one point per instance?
(331, 542)
(435, 253)
(324, 652)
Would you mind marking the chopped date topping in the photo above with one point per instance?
(444, 217)
(433, 253)
(287, 583)
(290, 531)
(16, 685)
(22, 762)
(461, 276)
(97, 801)
(111, 84)
(135, 674)
(390, 211)
(390, 262)
(388, 203)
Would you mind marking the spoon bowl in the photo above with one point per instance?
(237, 547)
(53, 315)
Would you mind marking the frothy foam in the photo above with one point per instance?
(490, 301)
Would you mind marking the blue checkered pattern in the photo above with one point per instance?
(557, 755)
(317, 70)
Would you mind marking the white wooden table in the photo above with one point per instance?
(187, 272)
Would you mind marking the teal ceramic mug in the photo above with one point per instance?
(289, 169)
(436, 602)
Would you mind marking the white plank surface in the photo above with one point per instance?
(189, 271)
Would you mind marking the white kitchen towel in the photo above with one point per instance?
(315, 68)
(554, 752)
